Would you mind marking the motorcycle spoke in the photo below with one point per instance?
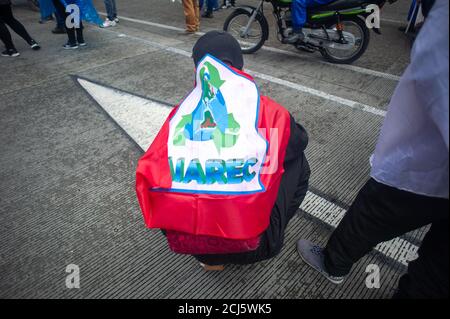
(237, 27)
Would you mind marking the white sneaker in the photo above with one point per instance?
(116, 20)
(108, 23)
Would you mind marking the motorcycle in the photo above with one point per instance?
(337, 30)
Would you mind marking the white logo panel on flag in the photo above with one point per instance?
(214, 145)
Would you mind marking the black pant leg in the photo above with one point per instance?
(62, 11)
(5, 36)
(8, 18)
(79, 32)
(427, 276)
(292, 191)
(379, 213)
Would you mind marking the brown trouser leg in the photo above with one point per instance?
(192, 14)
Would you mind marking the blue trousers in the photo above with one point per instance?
(210, 5)
(47, 9)
(111, 10)
(299, 11)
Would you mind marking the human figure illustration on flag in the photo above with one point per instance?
(210, 120)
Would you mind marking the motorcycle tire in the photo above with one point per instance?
(365, 43)
(259, 20)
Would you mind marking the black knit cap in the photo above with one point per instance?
(221, 45)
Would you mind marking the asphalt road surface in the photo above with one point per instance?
(74, 123)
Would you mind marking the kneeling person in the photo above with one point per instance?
(227, 171)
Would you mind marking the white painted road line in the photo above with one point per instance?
(141, 119)
(321, 94)
(269, 78)
(276, 50)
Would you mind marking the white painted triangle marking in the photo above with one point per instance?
(142, 119)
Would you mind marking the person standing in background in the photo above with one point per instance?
(88, 13)
(409, 184)
(75, 35)
(192, 13)
(228, 3)
(210, 6)
(47, 9)
(111, 11)
(7, 18)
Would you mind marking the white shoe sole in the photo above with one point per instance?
(336, 282)
(109, 25)
(12, 55)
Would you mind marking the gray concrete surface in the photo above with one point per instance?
(67, 171)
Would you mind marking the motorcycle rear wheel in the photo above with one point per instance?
(362, 40)
(235, 25)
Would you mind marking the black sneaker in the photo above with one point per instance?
(82, 43)
(11, 53)
(59, 30)
(70, 46)
(34, 45)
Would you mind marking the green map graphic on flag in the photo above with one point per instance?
(210, 120)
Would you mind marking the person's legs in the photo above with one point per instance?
(79, 32)
(45, 15)
(8, 18)
(109, 9)
(190, 7)
(114, 9)
(60, 20)
(72, 41)
(71, 36)
(292, 191)
(5, 36)
(427, 276)
(379, 213)
(197, 15)
(209, 9)
(299, 16)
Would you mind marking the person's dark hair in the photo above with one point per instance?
(221, 45)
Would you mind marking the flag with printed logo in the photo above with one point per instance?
(206, 171)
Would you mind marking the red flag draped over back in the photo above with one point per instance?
(206, 173)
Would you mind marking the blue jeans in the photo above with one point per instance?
(60, 20)
(47, 9)
(210, 4)
(111, 10)
(299, 11)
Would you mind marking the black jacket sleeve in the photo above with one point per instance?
(298, 141)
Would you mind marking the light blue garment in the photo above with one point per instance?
(413, 147)
(87, 10)
(46, 8)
